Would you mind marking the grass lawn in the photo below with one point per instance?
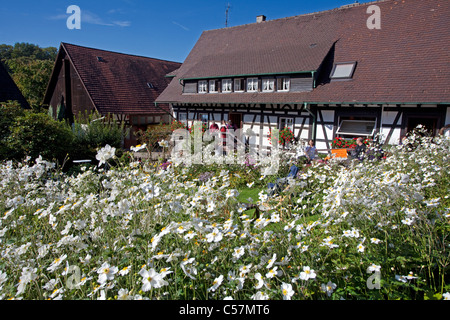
(253, 193)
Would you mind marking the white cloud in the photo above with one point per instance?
(122, 23)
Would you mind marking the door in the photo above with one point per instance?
(236, 119)
(430, 123)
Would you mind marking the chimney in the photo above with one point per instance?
(260, 18)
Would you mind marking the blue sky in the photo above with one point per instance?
(160, 29)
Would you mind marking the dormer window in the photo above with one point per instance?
(227, 85)
(238, 85)
(283, 84)
(268, 85)
(213, 86)
(203, 86)
(343, 70)
(252, 85)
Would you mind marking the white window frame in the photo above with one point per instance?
(203, 86)
(241, 85)
(204, 118)
(357, 133)
(183, 117)
(268, 85)
(289, 122)
(284, 84)
(252, 85)
(227, 86)
(213, 86)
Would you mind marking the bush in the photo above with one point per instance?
(9, 111)
(36, 134)
(92, 133)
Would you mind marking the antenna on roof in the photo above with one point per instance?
(227, 15)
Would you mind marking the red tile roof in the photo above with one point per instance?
(119, 82)
(9, 89)
(407, 60)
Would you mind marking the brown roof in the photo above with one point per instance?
(9, 90)
(119, 83)
(408, 60)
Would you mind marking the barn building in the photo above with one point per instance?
(116, 84)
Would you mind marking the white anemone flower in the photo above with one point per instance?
(217, 282)
(150, 279)
(260, 296)
(286, 290)
(138, 148)
(28, 275)
(260, 280)
(56, 263)
(307, 273)
(105, 154)
(106, 272)
(328, 288)
(214, 236)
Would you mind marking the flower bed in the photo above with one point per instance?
(376, 230)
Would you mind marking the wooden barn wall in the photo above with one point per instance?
(81, 102)
(58, 92)
(79, 98)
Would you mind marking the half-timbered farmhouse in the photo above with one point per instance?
(350, 72)
(116, 84)
(9, 90)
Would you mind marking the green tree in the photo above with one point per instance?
(31, 76)
(30, 66)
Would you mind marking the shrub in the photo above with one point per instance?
(36, 134)
(9, 111)
(91, 133)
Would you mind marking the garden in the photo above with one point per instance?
(131, 230)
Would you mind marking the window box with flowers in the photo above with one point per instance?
(341, 143)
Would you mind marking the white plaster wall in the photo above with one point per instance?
(395, 138)
(387, 121)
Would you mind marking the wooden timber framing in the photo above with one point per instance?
(321, 123)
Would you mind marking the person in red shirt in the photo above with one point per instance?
(223, 130)
(214, 127)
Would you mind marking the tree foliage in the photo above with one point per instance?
(30, 66)
(8, 113)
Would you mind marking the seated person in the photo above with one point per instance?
(360, 150)
(310, 151)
